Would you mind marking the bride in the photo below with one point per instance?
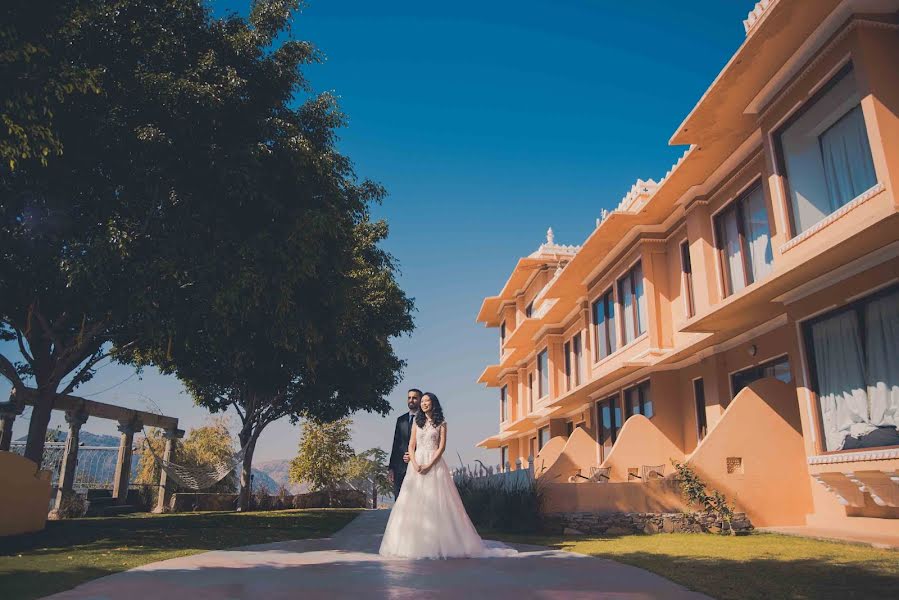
(428, 519)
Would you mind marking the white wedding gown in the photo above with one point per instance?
(428, 519)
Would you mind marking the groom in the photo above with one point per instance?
(399, 455)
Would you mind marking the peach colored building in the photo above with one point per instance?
(741, 313)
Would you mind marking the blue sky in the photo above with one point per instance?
(487, 122)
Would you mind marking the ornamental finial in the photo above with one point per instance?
(549, 236)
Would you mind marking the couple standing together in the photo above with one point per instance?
(428, 519)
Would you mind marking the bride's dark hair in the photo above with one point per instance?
(436, 412)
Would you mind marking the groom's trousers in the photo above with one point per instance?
(398, 483)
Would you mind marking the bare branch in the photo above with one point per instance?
(76, 380)
(24, 352)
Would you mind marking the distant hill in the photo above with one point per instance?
(86, 438)
(277, 471)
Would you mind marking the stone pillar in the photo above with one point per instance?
(123, 465)
(75, 419)
(162, 496)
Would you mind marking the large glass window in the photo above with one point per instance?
(633, 304)
(608, 415)
(778, 368)
(687, 269)
(638, 401)
(825, 154)
(502, 337)
(604, 322)
(567, 351)
(504, 403)
(744, 240)
(543, 373)
(578, 351)
(531, 392)
(699, 398)
(542, 437)
(854, 358)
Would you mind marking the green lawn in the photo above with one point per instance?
(73, 551)
(760, 565)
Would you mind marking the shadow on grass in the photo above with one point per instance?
(73, 551)
(768, 578)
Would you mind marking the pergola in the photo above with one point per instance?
(77, 411)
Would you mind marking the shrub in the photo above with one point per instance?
(262, 499)
(500, 503)
(72, 506)
(282, 500)
(694, 492)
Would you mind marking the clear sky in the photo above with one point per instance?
(487, 122)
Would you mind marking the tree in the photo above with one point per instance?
(36, 78)
(367, 471)
(323, 454)
(156, 187)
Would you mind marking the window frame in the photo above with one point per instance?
(810, 370)
(529, 310)
(607, 299)
(687, 279)
(784, 356)
(530, 392)
(641, 399)
(737, 204)
(502, 337)
(629, 275)
(541, 393)
(540, 431)
(566, 350)
(504, 458)
(613, 402)
(577, 349)
(702, 424)
(504, 403)
(780, 165)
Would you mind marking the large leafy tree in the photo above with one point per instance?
(166, 177)
(367, 471)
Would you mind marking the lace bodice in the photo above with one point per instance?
(427, 440)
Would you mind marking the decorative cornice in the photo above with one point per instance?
(848, 457)
(833, 217)
(755, 15)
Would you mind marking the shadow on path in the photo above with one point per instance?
(348, 566)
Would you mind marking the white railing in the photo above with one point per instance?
(95, 468)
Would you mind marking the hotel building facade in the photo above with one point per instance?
(742, 313)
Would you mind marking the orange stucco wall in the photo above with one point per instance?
(24, 495)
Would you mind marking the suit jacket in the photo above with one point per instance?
(400, 444)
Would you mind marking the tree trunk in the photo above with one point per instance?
(246, 470)
(40, 421)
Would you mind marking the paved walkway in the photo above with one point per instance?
(348, 566)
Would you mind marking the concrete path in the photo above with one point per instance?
(348, 566)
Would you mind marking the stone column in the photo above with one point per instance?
(123, 465)
(162, 497)
(75, 419)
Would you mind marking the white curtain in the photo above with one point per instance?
(842, 393)
(882, 350)
(846, 154)
(732, 250)
(757, 234)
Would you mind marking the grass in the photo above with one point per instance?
(73, 551)
(761, 565)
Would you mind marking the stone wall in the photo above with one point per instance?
(581, 523)
(186, 502)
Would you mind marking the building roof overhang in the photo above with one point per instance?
(521, 274)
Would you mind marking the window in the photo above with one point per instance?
(542, 437)
(744, 242)
(604, 321)
(569, 428)
(504, 457)
(778, 368)
(578, 358)
(543, 373)
(854, 362)
(637, 401)
(502, 337)
(633, 304)
(687, 270)
(825, 154)
(529, 310)
(504, 403)
(608, 416)
(702, 427)
(530, 392)
(567, 350)
(532, 446)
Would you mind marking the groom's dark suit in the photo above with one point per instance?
(400, 446)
